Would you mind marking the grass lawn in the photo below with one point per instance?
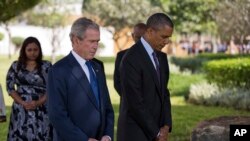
(185, 116)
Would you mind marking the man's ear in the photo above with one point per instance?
(75, 40)
(150, 31)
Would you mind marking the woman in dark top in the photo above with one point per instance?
(26, 84)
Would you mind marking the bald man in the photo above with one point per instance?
(138, 30)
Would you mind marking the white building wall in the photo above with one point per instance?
(44, 36)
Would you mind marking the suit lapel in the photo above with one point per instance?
(162, 74)
(99, 82)
(82, 78)
(147, 61)
(99, 76)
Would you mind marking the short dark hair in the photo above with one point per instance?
(158, 20)
(142, 26)
(138, 31)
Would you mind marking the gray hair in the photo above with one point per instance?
(80, 26)
(158, 20)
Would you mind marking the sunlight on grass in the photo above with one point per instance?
(115, 98)
(177, 100)
(4, 66)
(109, 70)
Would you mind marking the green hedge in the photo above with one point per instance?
(229, 73)
(188, 63)
(194, 63)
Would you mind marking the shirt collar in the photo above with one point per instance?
(147, 47)
(79, 59)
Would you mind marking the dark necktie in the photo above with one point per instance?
(157, 65)
(93, 81)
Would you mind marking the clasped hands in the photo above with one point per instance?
(104, 138)
(31, 105)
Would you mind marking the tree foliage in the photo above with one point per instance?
(232, 18)
(12, 8)
(53, 16)
(50, 20)
(17, 41)
(191, 15)
(119, 14)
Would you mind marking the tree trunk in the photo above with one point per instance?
(9, 35)
(118, 43)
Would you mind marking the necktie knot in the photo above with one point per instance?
(88, 63)
(156, 61)
(91, 73)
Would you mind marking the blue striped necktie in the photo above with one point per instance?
(93, 81)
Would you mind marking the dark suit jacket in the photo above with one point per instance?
(145, 105)
(73, 109)
(117, 80)
(99, 62)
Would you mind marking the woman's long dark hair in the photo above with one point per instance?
(22, 59)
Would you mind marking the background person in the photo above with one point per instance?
(138, 30)
(2, 106)
(26, 84)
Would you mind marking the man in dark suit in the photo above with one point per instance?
(78, 98)
(145, 113)
(138, 30)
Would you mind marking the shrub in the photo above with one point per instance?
(200, 93)
(188, 63)
(211, 94)
(229, 73)
(195, 63)
(17, 41)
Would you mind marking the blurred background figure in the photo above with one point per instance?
(2, 106)
(138, 30)
(26, 84)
